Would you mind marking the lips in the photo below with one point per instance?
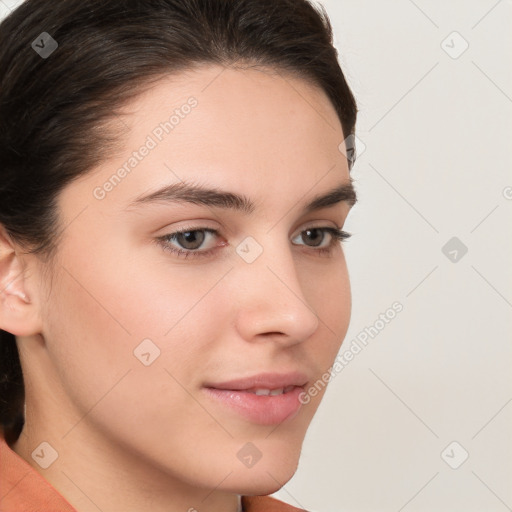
(270, 392)
(263, 381)
(266, 399)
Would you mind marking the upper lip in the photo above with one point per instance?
(263, 381)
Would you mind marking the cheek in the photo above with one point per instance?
(329, 294)
(92, 332)
(87, 335)
(107, 314)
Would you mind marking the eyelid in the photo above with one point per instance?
(336, 233)
(202, 227)
(317, 225)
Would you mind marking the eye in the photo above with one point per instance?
(318, 236)
(191, 239)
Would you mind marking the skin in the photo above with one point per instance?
(135, 437)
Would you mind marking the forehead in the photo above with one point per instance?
(260, 132)
(264, 109)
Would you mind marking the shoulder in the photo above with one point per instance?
(23, 488)
(266, 504)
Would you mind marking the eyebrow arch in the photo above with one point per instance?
(216, 198)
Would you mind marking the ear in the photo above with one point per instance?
(19, 314)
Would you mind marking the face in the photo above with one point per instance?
(133, 334)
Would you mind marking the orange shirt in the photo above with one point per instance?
(23, 489)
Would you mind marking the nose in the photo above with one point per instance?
(270, 300)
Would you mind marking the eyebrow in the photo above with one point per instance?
(184, 192)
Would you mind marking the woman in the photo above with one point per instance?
(174, 185)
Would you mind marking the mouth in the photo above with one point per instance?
(269, 392)
(264, 399)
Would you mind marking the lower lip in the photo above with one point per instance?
(262, 409)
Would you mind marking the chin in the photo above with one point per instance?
(264, 478)
(260, 486)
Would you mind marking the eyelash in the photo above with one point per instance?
(337, 235)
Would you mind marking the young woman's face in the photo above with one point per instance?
(134, 334)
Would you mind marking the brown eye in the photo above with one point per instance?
(187, 242)
(316, 234)
(191, 240)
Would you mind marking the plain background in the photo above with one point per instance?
(434, 163)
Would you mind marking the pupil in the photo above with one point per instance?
(314, 230)
(190, 237)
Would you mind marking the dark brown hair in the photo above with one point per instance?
(55, 107)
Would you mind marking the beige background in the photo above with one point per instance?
(436, 128)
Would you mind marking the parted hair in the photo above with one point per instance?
(55, 108)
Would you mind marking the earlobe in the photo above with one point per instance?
(18, 313)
